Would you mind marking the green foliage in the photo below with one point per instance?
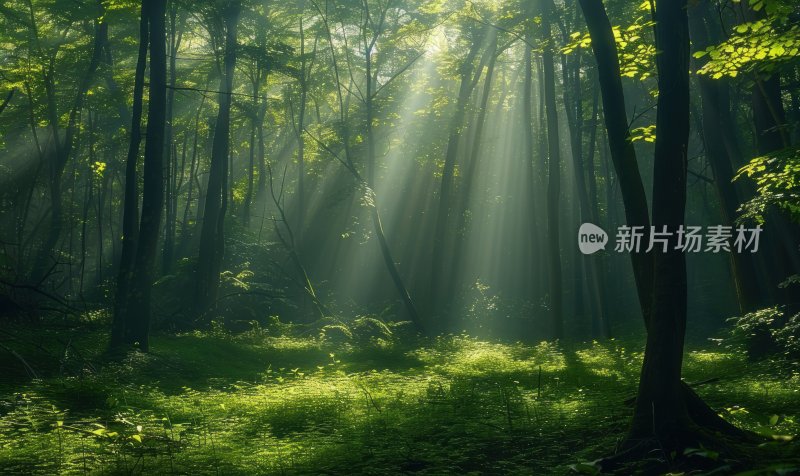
(769, 331)
(777, 178)
(647, 134)
(634, 47)
(205, 402)
(759, 46)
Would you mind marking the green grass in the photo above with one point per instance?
(259, 404)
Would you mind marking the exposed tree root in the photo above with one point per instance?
(706, 441)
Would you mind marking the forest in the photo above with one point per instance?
(400, 237)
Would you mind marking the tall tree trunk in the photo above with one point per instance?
(573, 105)
(212, 239)
(386, 253)
(623, 154)
(61, 153)
(553, 181)
(170, 221)
(301, 159)
(660, 405)
(138, 318)
(193, 166)
(130, 212)
(463, 225)
(438, 257)
(668, 415)
(715, 122)
(248, 196)
(528, 158)
(601, 326)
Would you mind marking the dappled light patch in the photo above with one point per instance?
(442, 407)
(605, 361)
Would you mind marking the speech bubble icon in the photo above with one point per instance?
(591, 238)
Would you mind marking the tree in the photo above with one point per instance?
(134, 321)
(553, 178)
(722, 151)
(212, 234)
(130, 219)
(623, 154)
(668, 414)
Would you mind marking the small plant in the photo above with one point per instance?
(768, 331)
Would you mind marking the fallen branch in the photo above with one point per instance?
(32, 373)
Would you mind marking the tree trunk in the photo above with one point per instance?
(462, 228)
(59, 157)
(168, 252)
(386, 253)
(661, 409)
(623, 154)
(138, 318)
(553, 181)
(438, 258)
(212, 239)
(130, 212)
(305, 73)
(715, 118)
(7, 100)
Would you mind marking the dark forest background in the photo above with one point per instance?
(358, 185)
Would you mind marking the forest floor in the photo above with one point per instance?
(259, 403)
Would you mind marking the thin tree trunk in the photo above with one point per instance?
(388, 259)
(301, 159)
(553, 182)
(623, 154)
(438, 258)
(7, 100)
(168, 252)
(130, 213)
(212, 237)
(139, 311)
(713, 98)
(462, 227)
(62, 151)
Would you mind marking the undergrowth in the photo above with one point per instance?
(259, 403)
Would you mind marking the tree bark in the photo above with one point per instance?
(61, 152)
(7, 100)
(553, 181)
(170, 221)
(212, 235)
(438, 258)
(715, 127)
(623, 154)
(463, 225)
(661, 409)
(130, 212)
(139, 310)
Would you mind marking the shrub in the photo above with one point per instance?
(769, 331)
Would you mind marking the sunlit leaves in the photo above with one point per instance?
(777, 178)
(646, 134)
(634, 46)
(99, 168)
(759, 46)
